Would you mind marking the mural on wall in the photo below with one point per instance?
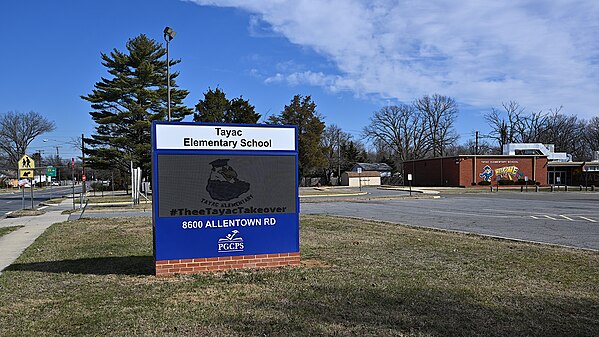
(508, 173)
(503, 173)
(487, 173)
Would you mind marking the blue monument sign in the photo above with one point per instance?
(224, 190)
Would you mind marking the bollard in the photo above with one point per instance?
(551, 188)
(491, 186)
(536, 188)
(592, 188)
(580, 187)
(566, 188)
(521, 188)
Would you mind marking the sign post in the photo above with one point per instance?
(26, 170)
(410, 180)
(526, 182)
(360, 178)
(224, 196)
(73, 179)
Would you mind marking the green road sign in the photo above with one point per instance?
(51, 171)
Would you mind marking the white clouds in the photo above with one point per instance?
(540, 53)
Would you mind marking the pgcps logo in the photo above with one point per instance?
(230, 243)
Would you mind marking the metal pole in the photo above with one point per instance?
(33, 184)
(338, 157)
(83, 189)
(476, 144)
(168, 80)
(73, 182)
(360, 180)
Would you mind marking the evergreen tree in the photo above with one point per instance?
(242, 112)
(216, 108)
(302, 112)
(213, 108)
(125, 105)
(353, 155)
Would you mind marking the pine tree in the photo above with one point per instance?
(125, 105)
(242, 112)
(216, 108)
(213, 108)
(302, 112)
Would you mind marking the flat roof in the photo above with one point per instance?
(572, 163)
(482, 156)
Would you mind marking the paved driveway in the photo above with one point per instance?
(570, 219)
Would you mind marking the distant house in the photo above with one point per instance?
(383, 169)
(366, 178)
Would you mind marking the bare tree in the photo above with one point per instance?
(484, 148)
(400, 129)
(533, 126)
(509, 128)
(591, 135)
(17, 131)
(567, 133)
(332, 141)
(439, 114)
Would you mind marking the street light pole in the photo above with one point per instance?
(169, 34)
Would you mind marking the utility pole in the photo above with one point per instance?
(83, 180)
(338, 157)
(73, 179)
(58, 168)
(476, 144)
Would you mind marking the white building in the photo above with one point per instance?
(513, 149)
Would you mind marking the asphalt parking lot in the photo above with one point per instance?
(564, 218)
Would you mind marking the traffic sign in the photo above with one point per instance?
(26, 163)
(83, 177)
(51, 171)
(25, 173)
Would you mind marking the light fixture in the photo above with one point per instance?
(169, 34)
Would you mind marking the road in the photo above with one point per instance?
(570, 219)
(10, 202)
(563, 218)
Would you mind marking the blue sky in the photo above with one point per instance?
(352, 56)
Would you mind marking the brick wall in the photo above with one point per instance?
(199, 265)
(524, 164)
(434, 172)
(458, 171)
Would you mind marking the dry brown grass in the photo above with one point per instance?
(93, 277)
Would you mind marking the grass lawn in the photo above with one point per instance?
(324, 191)
(97, 199)
(6, 230)
(25, 212)
(92, 277)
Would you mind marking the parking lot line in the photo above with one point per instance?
(549, 217)
(565, 217)
(587, 219)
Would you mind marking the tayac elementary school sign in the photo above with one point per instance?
(225, 196)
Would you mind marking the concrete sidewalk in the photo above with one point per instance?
(14, 243)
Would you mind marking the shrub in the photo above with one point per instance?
(484, 183)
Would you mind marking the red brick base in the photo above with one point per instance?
(194, 266)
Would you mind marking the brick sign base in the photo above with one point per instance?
(194, 266)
